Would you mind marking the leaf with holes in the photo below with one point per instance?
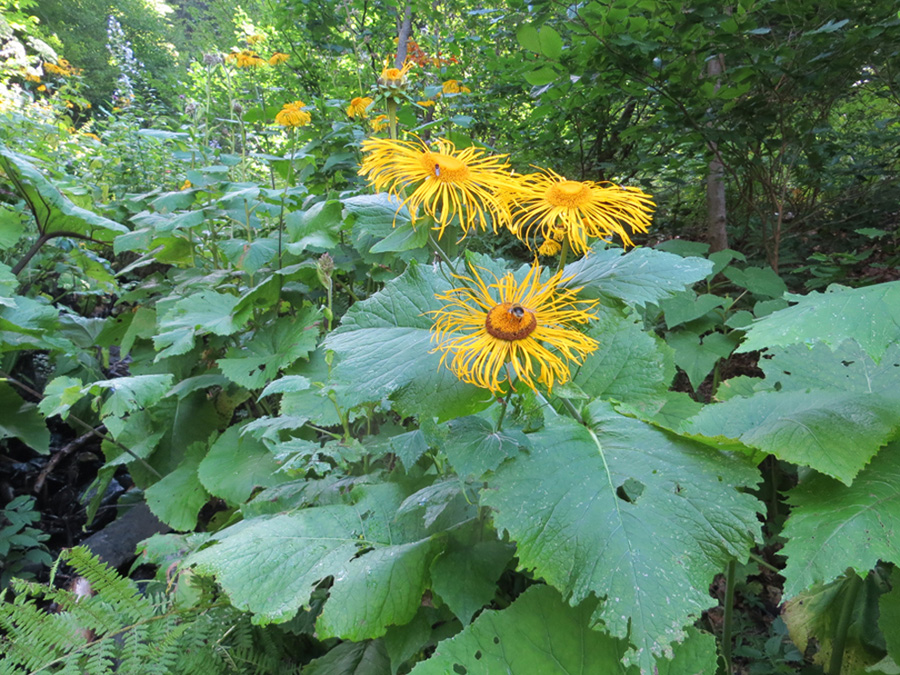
(629, 513)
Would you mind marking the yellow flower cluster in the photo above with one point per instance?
(454, 87)
(293, 115)
(488, 331)
(62, 68)
(245, 58)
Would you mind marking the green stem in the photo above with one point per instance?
(728, 619)
(441, 253)
(563, 254)
(853, 584)
(572, 410)
(392, 117)
(503, 403)
(762, 563)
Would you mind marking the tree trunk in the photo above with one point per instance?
(402, 36)
(717, 214)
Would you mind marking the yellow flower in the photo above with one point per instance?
(487, 328)
(293, 115)
(451, 87)
(548, 204)
(94, 136)
(463, 89)
(425, 104)
(186, 185)
(255, 39)
(447, 182)
(278, 58)
(245, 59)
(30, 77)
(43, 87)
(379, 123)
(358, 106)
(395, 77)
(549, 247)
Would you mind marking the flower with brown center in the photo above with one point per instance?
(487, 329)
(358, 107)
(245, 59)
(448, 182)
(547, 204)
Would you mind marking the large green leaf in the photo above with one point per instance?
(474, 447)
(275, 346)
(833, 526)
(202, 312)
(352, 658)
(22, 420)
(382, 225)
(538, 633)
(384, 344)
(179, 496)
(697, 655)
(638, 277)
(465, 576)
(269, 565)
(630, 364)
(832, 432)
(235, 465)
(53, 211)
(629, 513)
(870, 316)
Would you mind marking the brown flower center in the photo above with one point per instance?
(510, 321)
(568, 194)
(445, 168)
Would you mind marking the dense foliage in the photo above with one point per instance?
(304, 360)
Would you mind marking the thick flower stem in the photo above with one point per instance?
(853, 584)
(563, 254)
(728, 619)
(441, 253)
(392, 118)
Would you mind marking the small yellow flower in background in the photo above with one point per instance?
(425, 104)
(379, 123)
(484, 329)
(255, 39)
(449, 182)
(278, 58)
(93, 136)
(245, 59)
(450, 87)
(186, 185)
(293, 115)
(358, 106)
(549, 247)
(548, 204)
(43, 87)
(395, 77)
(30, 77)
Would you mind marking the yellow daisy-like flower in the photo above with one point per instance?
(379, 123)
(548, 204)
(255, 39)
(425, 104)
(42, 88)
(246, 59)
(278, 58)
(30, 77)
(358, 106)
(448, 182)
(486, 329)
(549, 247)
(450, 87)
(293, 115)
